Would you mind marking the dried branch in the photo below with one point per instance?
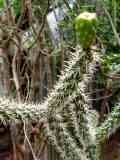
(42, 25)
(17, 43)
(28, 141)
(9, 14)
(16, 77)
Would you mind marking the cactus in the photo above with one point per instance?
(85, 25)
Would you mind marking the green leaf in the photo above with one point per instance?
(1, 4)
(16, 7)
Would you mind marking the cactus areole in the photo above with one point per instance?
(85, 25)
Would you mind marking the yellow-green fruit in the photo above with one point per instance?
(85, 25)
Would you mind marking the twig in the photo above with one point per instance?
(9, 13)
(14, 70)
(102, 97)
(114, 76)
(15, 77)
(42, 25)
(28, 141)
(28, 88)
(42, 149)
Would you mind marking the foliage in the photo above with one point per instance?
(111, 124)
(109, 127)
(16, 7)
(1, 4)
(105, 29)
(110, 63)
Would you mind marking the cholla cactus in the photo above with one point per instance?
(70, 120)
(66, 112)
